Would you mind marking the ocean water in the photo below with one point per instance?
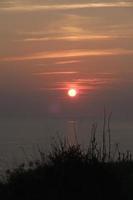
(21, 138)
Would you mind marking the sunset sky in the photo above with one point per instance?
(48, 46)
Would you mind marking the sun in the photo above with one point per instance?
(72, 92)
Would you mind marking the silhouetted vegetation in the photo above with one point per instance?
(69, 172)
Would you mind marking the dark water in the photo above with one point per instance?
(20, 139)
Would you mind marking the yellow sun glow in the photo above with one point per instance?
(72, 92)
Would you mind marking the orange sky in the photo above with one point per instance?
(45, 48)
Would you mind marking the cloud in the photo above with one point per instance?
(88, 37)
(69, 38)
(83, 84)
(33, 7)
(64, 62)
(54, 73)
(69, 54)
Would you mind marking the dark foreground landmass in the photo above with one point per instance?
(68, 172)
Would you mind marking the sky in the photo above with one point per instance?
(47, 47)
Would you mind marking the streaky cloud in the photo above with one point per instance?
(64, 62)
(30, 7)
(70, 38)
(68, 54)
(55, 73)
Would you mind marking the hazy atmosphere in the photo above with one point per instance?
(48, 47)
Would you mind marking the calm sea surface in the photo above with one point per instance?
(20, 139)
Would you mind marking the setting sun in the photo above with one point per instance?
(72, 92)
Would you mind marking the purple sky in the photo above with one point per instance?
(47, 47)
